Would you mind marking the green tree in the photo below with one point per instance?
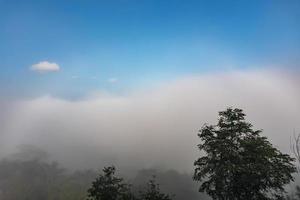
(238, 163)
(153, 192)
(29, 180)
(107, 186)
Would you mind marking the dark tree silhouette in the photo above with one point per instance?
(179, 185)
(26, 175)
(239, 163)
(153, 192)
(107, 186)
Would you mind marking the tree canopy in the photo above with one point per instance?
(108, 186)
(238, 163)
(153, 192)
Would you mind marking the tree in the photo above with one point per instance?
(153, 192)
(27, 175)
(239, 163)
(32, 179)
(109, 187)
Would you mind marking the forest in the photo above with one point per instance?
(235, 162)
(34, 178)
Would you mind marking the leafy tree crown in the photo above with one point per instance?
(239, 163)
(107, 186)
(153, 192)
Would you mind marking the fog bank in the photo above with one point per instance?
(153, 128)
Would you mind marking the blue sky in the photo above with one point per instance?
(124, 44)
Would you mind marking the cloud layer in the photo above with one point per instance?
(45, 66)
(155, 127)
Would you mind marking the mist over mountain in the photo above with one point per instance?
(30, 173)
(90, 87)
(154, 128)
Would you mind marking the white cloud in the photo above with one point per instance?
(45, 66)
(112, 80)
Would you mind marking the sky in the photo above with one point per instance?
(123, 45)
(131, 82)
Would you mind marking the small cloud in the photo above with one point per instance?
(112, 80)
(45, 66)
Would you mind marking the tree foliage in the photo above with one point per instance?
(36, 180)
(153, 192)
(108, 186)
(239, 163)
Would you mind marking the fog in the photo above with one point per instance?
(154, 127)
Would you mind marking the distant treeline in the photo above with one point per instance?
(27, 176)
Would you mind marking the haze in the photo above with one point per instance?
(130, 83)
